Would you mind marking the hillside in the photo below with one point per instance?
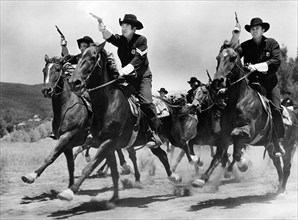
(24, 101)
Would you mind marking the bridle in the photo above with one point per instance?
(56, 85)
(241, 69)
(90, 74)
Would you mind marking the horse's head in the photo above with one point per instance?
(52, 74)
(226, 61)
(90, 61)
(178, 99)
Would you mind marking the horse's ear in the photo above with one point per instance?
(101, 46)
(46, 58)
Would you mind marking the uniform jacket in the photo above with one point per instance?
(133, 52)
(268, 51)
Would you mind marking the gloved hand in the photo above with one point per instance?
(237, 29)
(128, 69)
(261, 67)
(63, 42)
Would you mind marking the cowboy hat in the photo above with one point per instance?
(163, 90)
(194, 80)
(255, 22)
(85, 39)
(132, 20)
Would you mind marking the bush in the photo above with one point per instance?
(29, 134)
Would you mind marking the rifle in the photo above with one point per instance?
(210, 80)
(62, 35)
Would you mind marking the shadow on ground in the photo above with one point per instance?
(231, 203)
(96, 206)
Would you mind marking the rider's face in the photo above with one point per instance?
(127, 30)
(83, 46)
(257, 31)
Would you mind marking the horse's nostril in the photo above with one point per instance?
(77, 82)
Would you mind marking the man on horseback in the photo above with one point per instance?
(132, 51)
(262, 56)
(163, 93)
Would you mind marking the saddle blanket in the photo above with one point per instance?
(286, 116)
(162, 109)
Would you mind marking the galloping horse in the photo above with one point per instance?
(72, 119)
(207, 126)
(113, 123)
(246, 119)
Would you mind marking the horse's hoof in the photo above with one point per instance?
(175, 178)
(227, 174)
(88, 159)
(194, 159)
(138, 185)
(242, 165)
(126, 169)
(101, 174)
(198, 183)
(201, 163)
(114, 199)
(67, 195)
(29, 178)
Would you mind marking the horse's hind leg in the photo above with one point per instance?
(125, 167)
(277, 164)
(133, 158)
(162, 156)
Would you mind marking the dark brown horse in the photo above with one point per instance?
(246, 119)
(113, 124)
(72, 119)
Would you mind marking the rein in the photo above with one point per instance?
(100, 86)
(240, 79)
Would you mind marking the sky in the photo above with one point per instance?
(183, 37)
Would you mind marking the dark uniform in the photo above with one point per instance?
(268, 51)
(135, 53)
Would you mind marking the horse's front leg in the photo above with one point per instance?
(162, 156)
(62, 144)
(240, 136)
(105, 148)
(115, 175)
(70, 165)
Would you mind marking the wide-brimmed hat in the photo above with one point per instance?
(255, 22)
(163, 90)
(132, 20)
(194, 80)
(85, 39)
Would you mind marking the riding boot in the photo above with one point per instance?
(154, 140)
(279, 130)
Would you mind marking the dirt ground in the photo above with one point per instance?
(249, 195)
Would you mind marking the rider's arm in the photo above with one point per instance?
(64, 50)
(236, 34)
